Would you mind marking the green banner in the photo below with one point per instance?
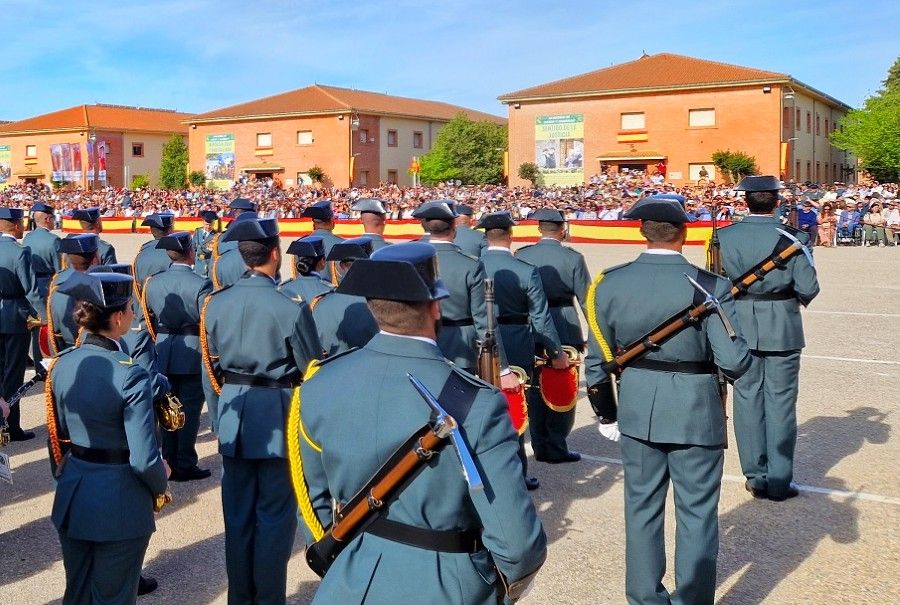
(219, 153)
(5, 166)
(559, 148)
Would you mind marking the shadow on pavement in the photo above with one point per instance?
(765, 542)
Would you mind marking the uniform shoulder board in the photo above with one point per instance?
(220, 290)
(67, 350)
(331, 358)
(123, 358)
(615, 267)
(524, 248)
(470, 378)
(459, 251)
(701, 270)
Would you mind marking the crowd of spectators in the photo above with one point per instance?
(830, 213)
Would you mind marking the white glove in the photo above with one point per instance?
(610, 431)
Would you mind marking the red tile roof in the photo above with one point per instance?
(103, 117)
(663, 70)
(331, 99)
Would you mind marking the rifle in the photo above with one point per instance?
(14, 400)
(714, 264)
(488, 351)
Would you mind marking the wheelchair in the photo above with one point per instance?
(845, 237)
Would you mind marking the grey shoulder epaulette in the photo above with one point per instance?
(331, 358)
(614, 267)
(470, 378)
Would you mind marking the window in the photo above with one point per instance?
(818, 125)
(786, 118)
(417, 140)
(392, 138)
(137, 150)
(263, 139)
(363, 135)
(392, 177)
(303, 178)
(808, 123)
(826, 125)
(797, 124)
(633, 121)
(304, 137)
(698, 118)
(797, 170)
(808, 170)
(30, 151)
(818, 173)
(364, 177)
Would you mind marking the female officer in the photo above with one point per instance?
(109, 468)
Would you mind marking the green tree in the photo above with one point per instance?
(316, 175)
(466, 150)
(892, 82)
(735, 165)
(872, 134)
(140, 181)
(174, 163)
(197, 178)
(529, 171)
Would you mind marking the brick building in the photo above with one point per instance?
(356, 137)
(675, 111)
(112, 142)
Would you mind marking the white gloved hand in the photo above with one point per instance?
(610, 431)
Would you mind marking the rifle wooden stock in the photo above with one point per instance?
(488, 352)
(755, 274)
(715, 265)
(369, 502)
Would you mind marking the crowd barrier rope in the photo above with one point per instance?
(580, 232)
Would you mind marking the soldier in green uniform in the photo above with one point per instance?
(81, 253)
(522, 312)
(309, 261)
(150, 259)
(229, 267)
(343, 321)
(669, 411)
(414, 552)
(90, 221)
(372, 214)
(203, 239)
(765, 398)
(45, 261)
(172, 300)
(19, 299)
(323, 225)
(464, 315)
(103, 509)
(239, 206)
(257, 341)
(565, 279)
(471, 241)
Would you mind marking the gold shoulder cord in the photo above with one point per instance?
(51, 333)
(294, 432)
(137, 286)
(213, 276)
(316, 300)
(50, 405)
(592, 319)
(204, 349)
(334, 273)
(214, 247)
(142, 299)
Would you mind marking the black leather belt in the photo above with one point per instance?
(454, 323)
(518, 320)
(182, 331)
(260, 381)
(8, 297)
(100, 456)
(43, 275)
(455, 541)
(560, 302)
(679, 367)
(768, 296)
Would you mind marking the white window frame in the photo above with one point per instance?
(305, 137)
(633, 120)
(260, 140)
(702, 117)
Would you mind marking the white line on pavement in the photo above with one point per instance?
(854, 359)
(859, 313)
(803, 488)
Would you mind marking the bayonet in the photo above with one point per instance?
(713, 304)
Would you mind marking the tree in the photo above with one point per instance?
(197, 178)
(173, 166)
(140, 181)
(872, 133)
(529, 171)
(469, 151)
(734, 164)
(316, 174)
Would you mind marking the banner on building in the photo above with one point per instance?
(65, 159)
(89, 149)
(5, 166)
(96, 160)
(559, 148)
(101, 160)
(219, 153)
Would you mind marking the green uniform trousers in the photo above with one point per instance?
(13, 356)
(765, 419)
(696, 475)
(102, 573)
(180, 447)
(260, 521)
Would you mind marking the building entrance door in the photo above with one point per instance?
(632, 167)
(261, 176)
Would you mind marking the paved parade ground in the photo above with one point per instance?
(839, 541)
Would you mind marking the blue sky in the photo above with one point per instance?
(198, 55)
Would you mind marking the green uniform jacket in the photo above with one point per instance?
(520, 296)
(307, 287)
(229, 268)
(255, 330)
(107, 253)
(377, 240)
(328, 240)
(471, 241)
(565, 278)
(665, 407)
(19, 295)
(45, 260)
(174, 298)
(357, 409)
(201, 241)
(149, 261)
(768, 325)
(103, 401)
(343, 322)
(61, 308)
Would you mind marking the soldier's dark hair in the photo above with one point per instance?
(398, 316)
(158, 233)
(175, 256)
(256, 253)
(761, 202)
(659, 232)
(496, 234)
(81, 262)
(549, 227)
(437, 227)
(93, 318)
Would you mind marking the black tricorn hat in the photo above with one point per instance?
(311, 246)
(83, 243)
(179, 241)
(106, 290)
(547, 215)
(406, 272)
(496, 220)
(659, 208)
(759, 183)
(351, 249)
(443, 210)
(252, 229)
